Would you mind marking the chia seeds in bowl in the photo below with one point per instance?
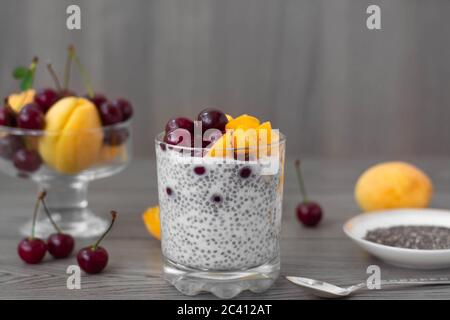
(419, 237)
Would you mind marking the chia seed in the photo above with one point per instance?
(411, 237)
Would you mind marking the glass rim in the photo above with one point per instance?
(159, 140)
(43, 132)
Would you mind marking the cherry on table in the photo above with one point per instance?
(60, 245)
(93, 259)
(32, 249)
(308, 212)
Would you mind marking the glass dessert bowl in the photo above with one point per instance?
(63, 163)
(62, 140)
(220, 214)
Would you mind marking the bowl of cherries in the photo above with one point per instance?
(62, 140)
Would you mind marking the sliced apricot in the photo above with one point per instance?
(152, 221)
(18, 100)
(265, 133)
(229, 117)
(245, 141)
(243, 121)
(220, 147)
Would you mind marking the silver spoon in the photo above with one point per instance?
(328, 290)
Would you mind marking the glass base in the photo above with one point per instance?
(223, 284)
(78, 223)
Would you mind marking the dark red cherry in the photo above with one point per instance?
(45, 98)
(178, 137)
(7, 117)
(9, 145)
(27, 160)
(92, 260)
(98, 99)
(126, 108)
(32, 250)
(60, 245)
(309, 213)
(31, 117)
(169, 191)
(212, 119)
(180, 122)
(110, 113)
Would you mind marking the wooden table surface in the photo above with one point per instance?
(134, 271)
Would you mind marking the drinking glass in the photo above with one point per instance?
(220, 218)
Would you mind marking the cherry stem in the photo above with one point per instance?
(54, 77)
(300, 181)
(33, 225)
(68, 67)
(32, 69)
(83, 73)
(114, 216)
(47, 211)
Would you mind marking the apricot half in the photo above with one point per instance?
(74, 135)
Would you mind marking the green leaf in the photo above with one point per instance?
(20, 72)
(27, 81)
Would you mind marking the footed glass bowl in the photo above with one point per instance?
(63, 163)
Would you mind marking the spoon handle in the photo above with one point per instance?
(418, 281)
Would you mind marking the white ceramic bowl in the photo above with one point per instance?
(357, 227)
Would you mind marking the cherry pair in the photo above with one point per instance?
(32, 250)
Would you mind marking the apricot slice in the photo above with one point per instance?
(152, 221)
(243, 121)
(220, 147)
(18, 100)
(265, 133)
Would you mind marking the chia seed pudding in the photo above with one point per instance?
(412, 237)
(217, 214)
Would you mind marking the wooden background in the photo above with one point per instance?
(311, 66)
